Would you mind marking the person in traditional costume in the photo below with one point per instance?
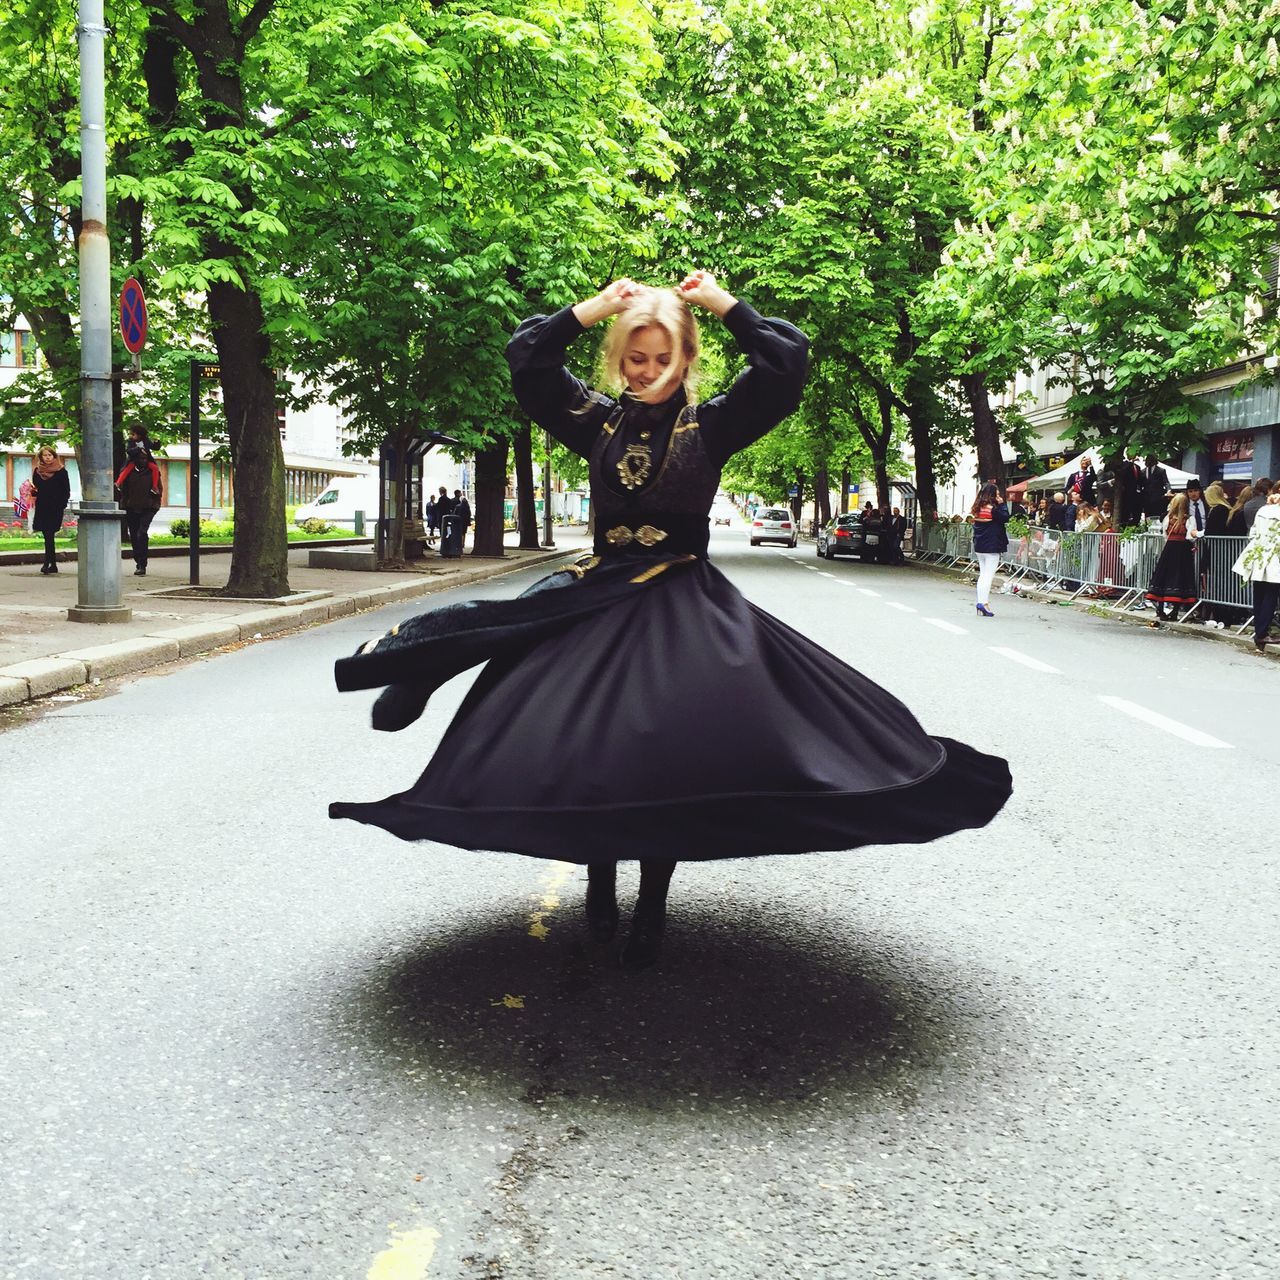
(607, 723)
(1174, 581)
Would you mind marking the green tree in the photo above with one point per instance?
(1123, 209)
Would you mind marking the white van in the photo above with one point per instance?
(339, 503)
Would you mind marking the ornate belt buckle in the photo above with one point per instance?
(646, 535)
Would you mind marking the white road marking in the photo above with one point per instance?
(943, 625)
(1034, 663)
(1174, 727)
(866, 591)
(825, 574)
(906, 608)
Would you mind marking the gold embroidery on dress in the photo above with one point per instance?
(661, 568)
(646, 535)
(634, 465)
(582, 566)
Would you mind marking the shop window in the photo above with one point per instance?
(175, 484)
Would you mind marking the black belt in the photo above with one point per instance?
(665, 534)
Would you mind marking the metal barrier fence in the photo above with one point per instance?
(1106, 566)
(945, 544)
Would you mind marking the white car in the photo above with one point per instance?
(773, 524)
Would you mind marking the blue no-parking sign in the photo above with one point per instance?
(133, 316)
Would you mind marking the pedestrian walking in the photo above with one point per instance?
(138, 485)
(1173, 580)
(51, 493)
(990, 540)
(1259, 563)
(608, 724)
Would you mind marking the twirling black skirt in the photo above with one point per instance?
(649, 710)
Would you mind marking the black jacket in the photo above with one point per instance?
(52, 496)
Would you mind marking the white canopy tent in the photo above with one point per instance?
(1059, 476)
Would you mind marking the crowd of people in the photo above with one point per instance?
(438, 508)
(1186, 519)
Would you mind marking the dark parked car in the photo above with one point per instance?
(850, 535)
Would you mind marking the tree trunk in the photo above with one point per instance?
(491, 489)
(921, 424)
(526, 510)
(822, 497)
(844, 490)
(882, 481)
(260, 545)
(986, 430)
(260, 542)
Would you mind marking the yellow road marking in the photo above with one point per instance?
(407, 1257)
(509, 1002)
(557, 877)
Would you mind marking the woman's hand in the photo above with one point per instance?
(608, 302)
(700, 287)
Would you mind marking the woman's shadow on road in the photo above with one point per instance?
(773, 1010)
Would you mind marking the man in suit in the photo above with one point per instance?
(1129, 480)
(462, 511)
(1155, 489)
(900, 526)
(1261, 489)
(1058, 512)
(1197, 509)
(1085, 482)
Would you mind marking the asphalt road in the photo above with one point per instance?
(240, 1040)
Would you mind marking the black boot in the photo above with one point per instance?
(650, 920)
(602, 901)
(644, 944)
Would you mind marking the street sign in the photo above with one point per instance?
(133, 316)
(793, 492)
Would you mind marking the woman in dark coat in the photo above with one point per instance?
(608, 721)
(52, 488)
(139, 486)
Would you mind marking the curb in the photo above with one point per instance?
(1198, 630)
(38, 677)
(68, 556)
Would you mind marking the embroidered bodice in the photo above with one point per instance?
(655, 469)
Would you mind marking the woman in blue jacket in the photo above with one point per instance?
(990, 515)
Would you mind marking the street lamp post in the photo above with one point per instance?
(98, 597)
(547, 539)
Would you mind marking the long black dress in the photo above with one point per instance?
(636, 704)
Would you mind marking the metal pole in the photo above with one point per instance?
(193, 489)
(99, 597)
(547, 539)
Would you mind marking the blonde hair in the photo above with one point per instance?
(1216, 496)
(654, 309)
(1179, 508)
(1245, 495)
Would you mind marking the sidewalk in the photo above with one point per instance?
(1099, 608)
(41, 652)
